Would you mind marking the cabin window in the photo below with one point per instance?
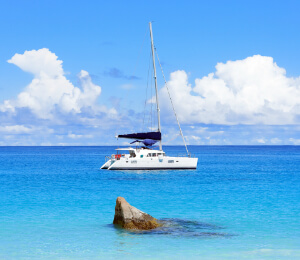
(170, 161)
(154, 155)
(132, 155)
(133, 161)
(149, 155)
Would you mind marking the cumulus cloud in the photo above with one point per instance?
(260, 141)
(250, 91)
(50, 90)
(16, 129)
(51, 110)
(76, 136)
(294, 141)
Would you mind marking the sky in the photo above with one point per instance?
(78, 73)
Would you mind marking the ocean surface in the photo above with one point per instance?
(242, 202)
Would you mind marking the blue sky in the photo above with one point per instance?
(75, 73)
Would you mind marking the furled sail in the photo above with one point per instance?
(146, 142)
(142, 136)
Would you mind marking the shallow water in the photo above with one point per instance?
(241, 203)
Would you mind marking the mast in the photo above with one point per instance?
(154, 69)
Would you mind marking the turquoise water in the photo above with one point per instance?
(243, 202)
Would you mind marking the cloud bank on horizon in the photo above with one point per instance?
(252, 91)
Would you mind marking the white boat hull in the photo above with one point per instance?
(157, 163)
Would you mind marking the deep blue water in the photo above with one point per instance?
(243, 202)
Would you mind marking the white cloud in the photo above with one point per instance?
(261, 141)
(294, 141)
(51, 110)
(15, 129)
(76, 136)
(275, 141)
(50, 89)
(250, 91)
(21, 129)
(38, 62)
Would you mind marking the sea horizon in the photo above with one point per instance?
(69, 145)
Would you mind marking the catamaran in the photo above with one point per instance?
(145, 157)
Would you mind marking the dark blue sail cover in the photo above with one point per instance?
(146, 142)
(142, 136)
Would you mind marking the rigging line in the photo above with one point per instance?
(172, 139)
(172, 103)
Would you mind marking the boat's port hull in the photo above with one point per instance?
(151, 168)
(107, 164)
(165, 163)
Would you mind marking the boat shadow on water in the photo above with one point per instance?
(181, 228)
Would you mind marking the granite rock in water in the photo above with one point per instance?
(129, 217)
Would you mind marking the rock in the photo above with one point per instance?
(129, 217)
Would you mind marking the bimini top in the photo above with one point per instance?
(142, 136)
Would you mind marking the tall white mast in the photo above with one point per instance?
(154, 69)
